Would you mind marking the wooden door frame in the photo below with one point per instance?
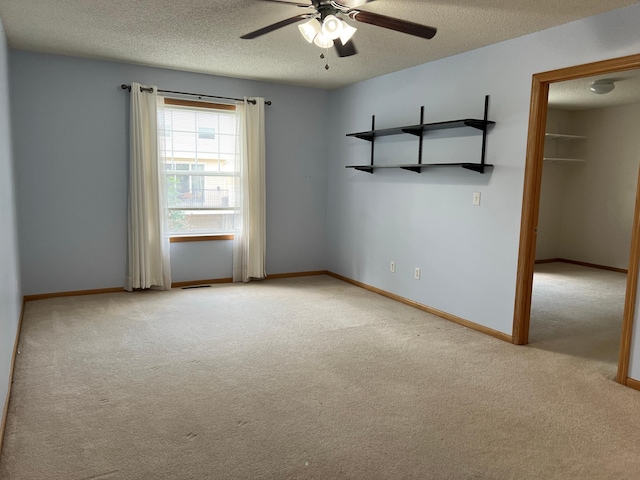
(531, 203)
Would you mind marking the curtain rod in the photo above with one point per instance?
(150, 90)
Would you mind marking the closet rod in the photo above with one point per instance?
(150, 89)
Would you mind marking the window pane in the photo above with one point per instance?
(208, 145)
(228, 163)
(183, 120)
(227, 124)
(192, 222)
(219, 192)
(227, 143)
(206, 132)
(200, 142)
(196, 195)
(184, 142)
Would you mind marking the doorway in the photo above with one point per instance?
(531, 205)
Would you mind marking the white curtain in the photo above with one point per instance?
(250, 220)
(147, 243)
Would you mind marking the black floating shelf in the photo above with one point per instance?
(418, 130)
(417, 167)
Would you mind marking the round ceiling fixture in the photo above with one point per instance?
(602, 86)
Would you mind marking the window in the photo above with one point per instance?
(199, 144)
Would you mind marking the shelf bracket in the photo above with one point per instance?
(475, 124)
(418, 132)
(373, 134)
(484, 135)
(367, 137)
(474, 166)
(420, 139)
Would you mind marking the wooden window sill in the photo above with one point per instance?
(201, 238)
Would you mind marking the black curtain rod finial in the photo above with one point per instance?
(142, 89)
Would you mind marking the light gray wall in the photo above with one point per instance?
(71, 148)
(10, 294)
(468, 254)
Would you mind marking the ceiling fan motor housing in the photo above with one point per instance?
(325, 8)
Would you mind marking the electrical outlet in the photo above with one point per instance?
(476, 198)
(416, 273)
(392, 266)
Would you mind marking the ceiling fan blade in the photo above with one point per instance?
(296, 4)
(346, 50)
(396, 24)
(275, 26)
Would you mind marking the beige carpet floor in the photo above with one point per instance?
(307, 378)
(578, 310)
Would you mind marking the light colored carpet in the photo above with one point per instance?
(308, 378)
(578, 310)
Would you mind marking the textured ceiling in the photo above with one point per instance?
(576, 95)
(203, 35)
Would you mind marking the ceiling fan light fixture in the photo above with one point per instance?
(323, 41)
(332, 27)
(347, 32)
(602, 86)
(309, 30)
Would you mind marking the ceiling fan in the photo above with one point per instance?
(324, 24)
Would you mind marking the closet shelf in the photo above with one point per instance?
(563, 136)
(558, 137)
